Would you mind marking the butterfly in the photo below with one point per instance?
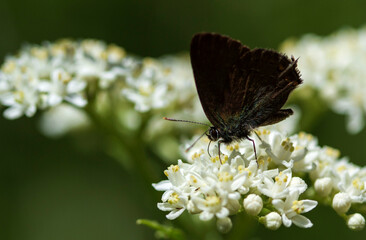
(240, 89)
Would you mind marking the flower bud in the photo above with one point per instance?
(272, 221)
(253, 204)
(356, 222)
(224, 225)
(341, 202)
(323, 186)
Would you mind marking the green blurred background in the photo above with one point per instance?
(68, 188)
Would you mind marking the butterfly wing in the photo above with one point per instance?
(213, 57)
(241, 89)
(269, 77)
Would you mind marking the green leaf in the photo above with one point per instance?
(163, 231)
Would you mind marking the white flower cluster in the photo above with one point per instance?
(44, 76)
(159, 83)
(335, 67)
(268, 187)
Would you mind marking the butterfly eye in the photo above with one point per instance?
(213, 134)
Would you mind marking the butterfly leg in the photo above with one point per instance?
(255, 151)
(208, 148)
(218, 145)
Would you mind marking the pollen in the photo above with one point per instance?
(341, 168)
(173, 199)
(233, 147)
(263, 132)
(287, 145)
(332, 152)
(260, 160)
(306, 136)
(225, 159)
(225, 177)
(196, 155)
(297, 207)
(193, 179)
(230, 148)
(212, 201)
(248, 171)
(215, 159)
(280, 179)
(241, 168)
(358, 184)
(174, 168)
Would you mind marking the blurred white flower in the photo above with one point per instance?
(356, 222)
(224, 225)
(159, 82)
(43, 76)
(62, 119)
(334, 67)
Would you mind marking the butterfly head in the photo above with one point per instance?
(213, 134)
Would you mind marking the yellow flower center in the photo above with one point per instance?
(212, 201)
(297, 206)
(358, 184)
(173, 199)
(287, 145)
(225, 177)
(281, 178)
(332, 152)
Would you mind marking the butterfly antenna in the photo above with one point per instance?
(178, 120)
(190, 147)
(294, 63)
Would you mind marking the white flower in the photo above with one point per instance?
(214, 185)
(173, 202)
(211, 205)
(333, 66)
(325, 159)
(62, 119)
(356, 222)
(43, 76)
(323, 186)
(63, 87)
(253, 204)
(272, 221)
(341, 202)
(224, 225)
(282, 150)
(291, 209)
(277, 187)
(159, 83)
(297, 184)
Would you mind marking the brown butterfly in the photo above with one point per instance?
(240, 89)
